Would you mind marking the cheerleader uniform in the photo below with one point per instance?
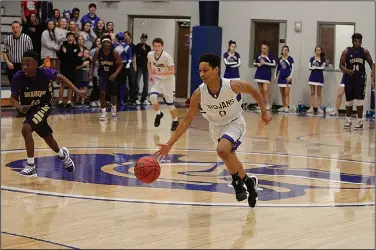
(317, 72)
(285, 68)
(264, 73)
(232, 63)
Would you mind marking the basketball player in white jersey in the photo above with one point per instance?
(162, 77)
(219, 101)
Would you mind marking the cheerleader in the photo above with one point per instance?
(264, 63)
(317, 66)
(284, 71)
(232, 62)
(341, 92)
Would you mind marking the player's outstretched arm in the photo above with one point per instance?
(183, 125)
(70, 85)
(246, 88)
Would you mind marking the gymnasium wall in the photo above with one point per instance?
(235, 19)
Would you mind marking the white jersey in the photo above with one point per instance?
(161, 64)
(223, 108)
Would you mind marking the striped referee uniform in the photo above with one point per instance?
(14, 48)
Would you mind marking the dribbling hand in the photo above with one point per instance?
(82, 93)
(25, 109)
(163, 151)
(266, 117)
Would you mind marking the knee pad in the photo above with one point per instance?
(358, 102)
(349, 103)
(154, 98)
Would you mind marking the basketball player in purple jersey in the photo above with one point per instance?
(34, 86)
(352, 63)
(109, 67)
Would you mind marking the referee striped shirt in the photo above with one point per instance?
(15, 47)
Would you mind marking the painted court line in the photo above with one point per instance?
(178, 203)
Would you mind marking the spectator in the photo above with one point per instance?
(67, 14)
(14, 47)
(72, 27)
(99, 29)
(75, 16)
(34, 29)
(83, 69)
(57, 17)
(69, 59)
(110, 30)
(50, 46)
(91, 16)
(125, 53)
(140, 61)
(28, 8)
(94, 96)
(61, 31)
(133, 98)
(88, 34)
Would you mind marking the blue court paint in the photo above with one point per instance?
(37, 239)
(89, 170)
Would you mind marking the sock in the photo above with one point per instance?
(61, 153)
(103, 110)
(348, 118)
(235, 177)
(30, 161)
(175, 119)
(158, 112)
(113, 107)
(359, 119)
(68, 102)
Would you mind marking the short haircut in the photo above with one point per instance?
(92, 5)
(15, 22)
(357, 36)
(212, 59)
(75, 9)
(31, 54)
(158, 40)
(70, 34)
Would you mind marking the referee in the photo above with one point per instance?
(14, 47)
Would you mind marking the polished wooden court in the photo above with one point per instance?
(318, 185)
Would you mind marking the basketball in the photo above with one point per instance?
(147, 169)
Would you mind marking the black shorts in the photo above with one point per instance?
(37, 119)
(355, 87)
(105, 84)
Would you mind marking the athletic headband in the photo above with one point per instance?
(106, 39)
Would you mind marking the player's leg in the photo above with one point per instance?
(319, 99)
(341, 92)
(229, 141)
(41, 127)
(359, 94)
(155, 90)
(112, 87)
(349, 94)
(102, 83)
(27, 131)
(168, 88)
(313, 90)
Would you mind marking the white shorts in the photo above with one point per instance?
(233, 131)
(164, 87)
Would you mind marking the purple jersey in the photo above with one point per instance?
(284, 68)
(232, 63)
(37, 90)
(317, 72)
(264, 73)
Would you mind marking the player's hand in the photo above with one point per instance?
(25, 109)
(112, 77)
(163, 150)
(350, 72)
(288, 79)
(64, 50)
(266, 117)
(373, 85)
(262, 61)
(151, 79)
(258, 64)
(82, 93)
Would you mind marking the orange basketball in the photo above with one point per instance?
(147, 169)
